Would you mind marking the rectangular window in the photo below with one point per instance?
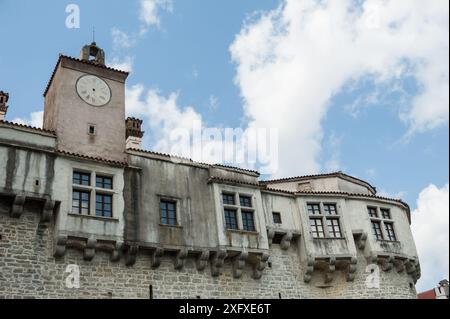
(228, 199)
(372, 212)
(248, 222)
(330, 209)
(276, 218)
(385, 213)
(389, 227)
(81, 178)
(246, 201)
(103, 205)
(231, 219)
(80, 202)
(314, 209)
(376, 228)
(334, 229)
(168, 210)
(103, 182)
(317, 227)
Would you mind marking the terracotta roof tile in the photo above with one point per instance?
(96, 159)
(8, 123)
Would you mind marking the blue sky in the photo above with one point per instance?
(373, 105)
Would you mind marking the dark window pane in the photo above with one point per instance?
(334, 228)
(376, 228)
(385, 213)
(389, 227)
(245, 201)
(314, 209)
(228, 199)
(276, 218)
(317, 228)
(168, 212)
(80, 202)
(372, 212)
(248, 222)
(103, 182)
(230, 219)
(81, 178)
(330, 209)
(103, 206)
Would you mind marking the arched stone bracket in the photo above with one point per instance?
(89, 249)
(47, 211)
(400, 263)
(131, 254)
(60, 246)
(202, 260)
(116, 251)
(180, 258)
(360, 238)
(260, 265)
(17, 206)
(156, 255)
(217, 261)
(239, 264)
(328, 265)
(280, 236)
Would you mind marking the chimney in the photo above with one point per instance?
(134, 133)
(4, 97)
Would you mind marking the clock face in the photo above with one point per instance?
(93, 90)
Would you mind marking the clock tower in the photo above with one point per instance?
(85, 105)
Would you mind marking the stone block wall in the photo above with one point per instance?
(29, 270)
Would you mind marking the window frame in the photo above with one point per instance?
(168, 218)
(324, 216)
(93, 191)
(280, 221)
(248, 224)
(240, 210)
(384, 216)
(228, 224)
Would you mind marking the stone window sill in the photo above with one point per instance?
(242, 232)
(171, 226)
(106, 219)
(329, 238)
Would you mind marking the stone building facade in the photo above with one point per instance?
(138, 224)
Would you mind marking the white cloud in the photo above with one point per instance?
(36, 119)
(430, 226)
(161, 114)
(292, 60)
(124, 64)
(122, 40)
(213, 102)
(150, 12)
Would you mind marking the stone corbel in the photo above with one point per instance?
(399, 265)
(261, 264)
(270, 235)
(351, 269)
(130, 254)
(387, 263)
(329, 271)
(413, 268)
(202, 260)
(17, 207)
(156, 255)
(116, 251)
(180, 258)
(47, 211)
(308, 270)
(239, 264)
(286, 241)
(360, 239)
(217, 261)
(60, 246)
(89, 249)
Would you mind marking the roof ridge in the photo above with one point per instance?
(28, 127)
